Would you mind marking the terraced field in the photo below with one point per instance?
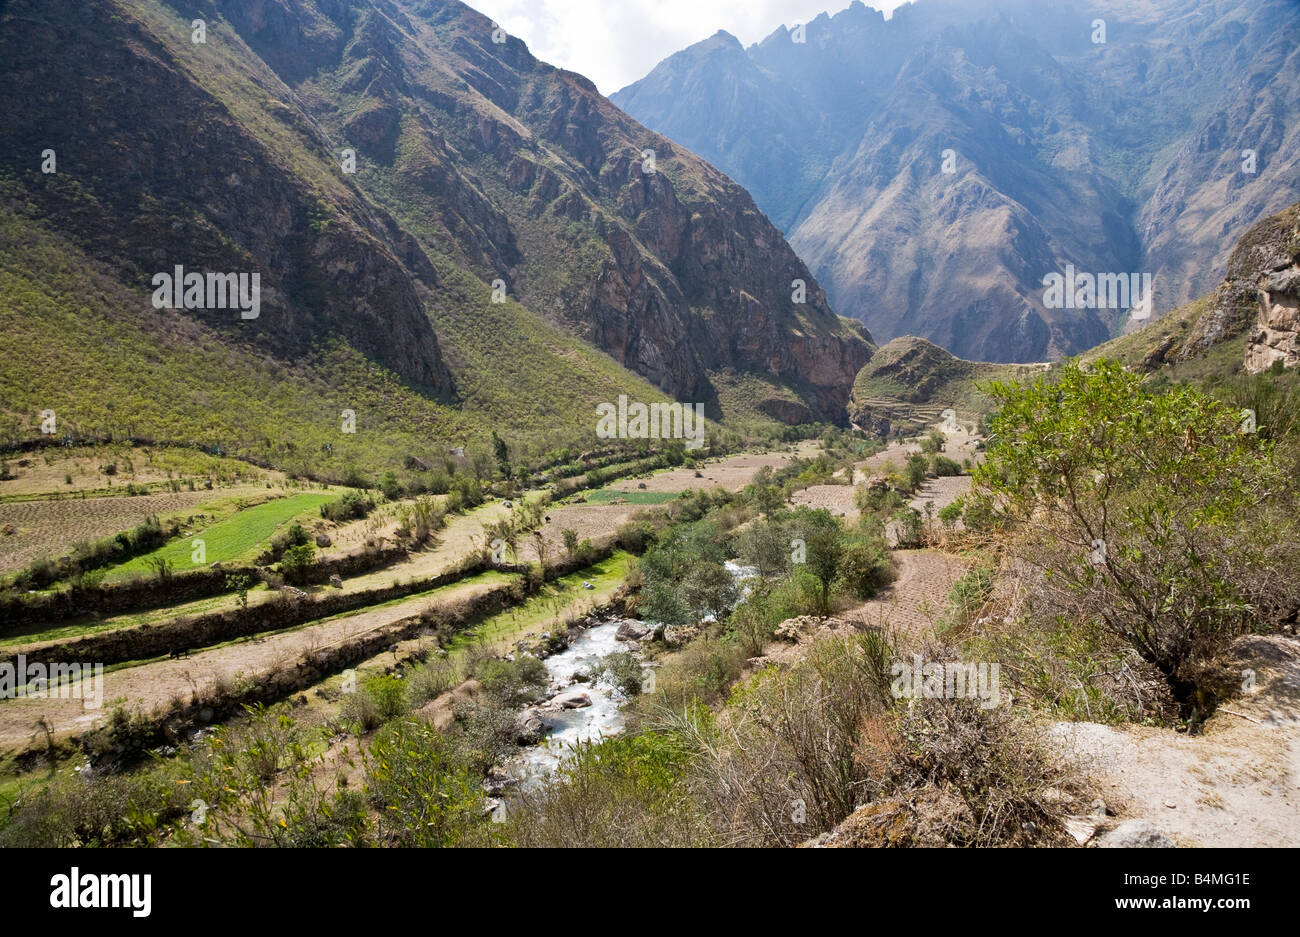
(46, 528)
(150, 685)
(240, 537)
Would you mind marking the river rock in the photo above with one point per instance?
(575, 699)
(530, 727)
(1135, 834)
(632, 631)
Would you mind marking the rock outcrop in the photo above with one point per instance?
(1276, 336)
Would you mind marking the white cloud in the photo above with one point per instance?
(616, 42)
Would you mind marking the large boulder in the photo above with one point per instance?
(574, 699)
(530, 727)
(632, 631)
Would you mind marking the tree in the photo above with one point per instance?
(502, 454)
(766, 546)
(539, 543)
(297, 562)
(1150, 512)
(241, 585)
(570, 538)
(825, 553)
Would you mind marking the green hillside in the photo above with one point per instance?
(75, 340)
(910, 382)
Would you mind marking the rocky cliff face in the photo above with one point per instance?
(1253, 306)
(1275, 336)
(478, 174)
(1257, 297)
(932, 168)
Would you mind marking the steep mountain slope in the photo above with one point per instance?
(497, 244)
(932, 168)
(1248, 324)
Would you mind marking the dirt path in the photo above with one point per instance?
(910, 607)
(1238, 784)
(157, 684)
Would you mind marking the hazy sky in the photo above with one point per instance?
(616, 42)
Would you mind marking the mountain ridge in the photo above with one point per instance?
(500, 249)
(1117, 156)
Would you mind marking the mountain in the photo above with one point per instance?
(1122, 156)
(450, 237)
(910, 383)
(1250, 323)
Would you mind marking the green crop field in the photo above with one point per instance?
(610, 496)
(239, 537)
(557, 601)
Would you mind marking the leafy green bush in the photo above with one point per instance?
(944, 467)
(1151, 512)
(353, 506)
(514, 683)
(297, 563)
(423, 795)
(625, 792)
(969, 594)
(866, 567)
(377, 701)
(623, 671)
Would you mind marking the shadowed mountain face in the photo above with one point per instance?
(933, 168)
(481, 176)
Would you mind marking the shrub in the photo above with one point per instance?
(755, 620)
(585, 553)
(636, 536)
(514, 683)
(944, 467)
(353, 478)
(623, 671)
(909, 527)
(625, 792)
(570, 538)
(1150, 512)
(969, 594)
(866, 567)
(294, 536)
(377, 701)
(355, 505)
(297, 564)
(424, 796)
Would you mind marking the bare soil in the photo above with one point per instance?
(1238, 784)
